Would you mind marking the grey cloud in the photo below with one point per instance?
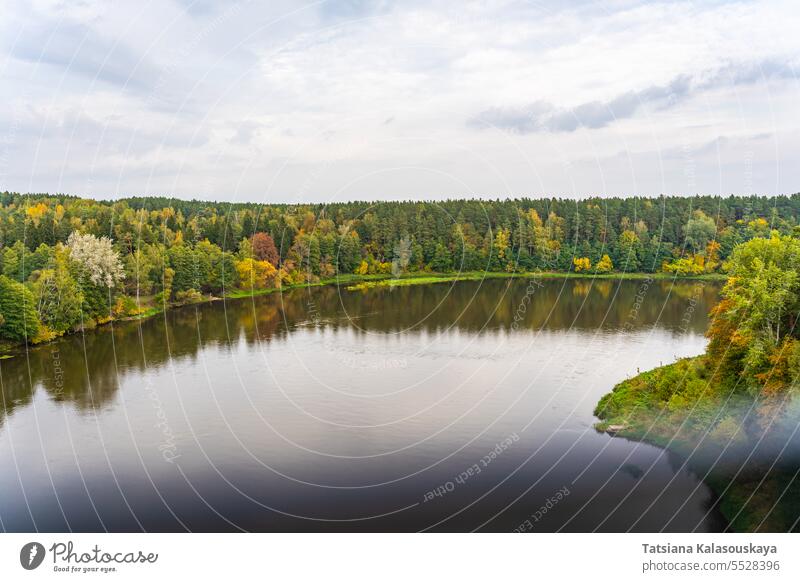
(198, 8)
(754, 73)
(545, 117)
(76, 48)
(723, 142)
(350, 9)
(245, 132)
(77, 129)
(705, 150)
(519, 120)
(598, 114)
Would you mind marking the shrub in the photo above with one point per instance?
(188, 297)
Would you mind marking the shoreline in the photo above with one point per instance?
(354, 282)
(614, 426)
(707, 432)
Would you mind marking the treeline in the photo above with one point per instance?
(67, 262)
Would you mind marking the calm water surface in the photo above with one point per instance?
(334, 410)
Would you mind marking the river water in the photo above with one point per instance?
(449, 407)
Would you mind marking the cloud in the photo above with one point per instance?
(198, 8)
(245, 132)
(117, 94)
(743, 74)
(545, 117)
(518, 120)
(350, 9)
(78, 49)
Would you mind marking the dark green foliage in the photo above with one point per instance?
(184, 262)
(18, 311)
(442, 259)
(639, 234)
(96, 301)
(58, 296)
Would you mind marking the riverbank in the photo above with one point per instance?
(354, 282)
(433, 278)
(720, 432)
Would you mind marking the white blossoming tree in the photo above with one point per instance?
(97, 255)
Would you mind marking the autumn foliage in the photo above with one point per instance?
(255, 274)
(581, 264)
(753, 334)
(264, 248)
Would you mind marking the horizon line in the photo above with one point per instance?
(582, 198)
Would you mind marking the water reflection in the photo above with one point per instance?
(304, 409)
(85, 369)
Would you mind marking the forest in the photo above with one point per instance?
(69, 262)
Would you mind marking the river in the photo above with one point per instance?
(448, 407)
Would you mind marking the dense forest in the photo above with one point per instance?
(69, 262)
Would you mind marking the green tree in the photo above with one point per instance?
(57, 295)
(349, 252)
(442, 260)
(759, 307)
(630, 250)
(18, 311)
(140, 271)
(188, 272)
(699, 230)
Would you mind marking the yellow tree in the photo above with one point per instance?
(581, 264)
(255, 274)
(501, 243)
(363, 268)
(36, 212)
(689, 265)
(712, 255)
(604, 265)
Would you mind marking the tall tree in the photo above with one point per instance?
(264, 248)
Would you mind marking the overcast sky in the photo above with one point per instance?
(289, 101)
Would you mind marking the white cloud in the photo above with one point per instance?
(290, 101)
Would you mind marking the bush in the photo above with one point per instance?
(604, 265)
(691, 265)
(581, 264)
(45, 334)
(126, 307)
(188, 297)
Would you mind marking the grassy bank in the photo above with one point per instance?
(354, 282)
(720, 431)
(433, 278)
